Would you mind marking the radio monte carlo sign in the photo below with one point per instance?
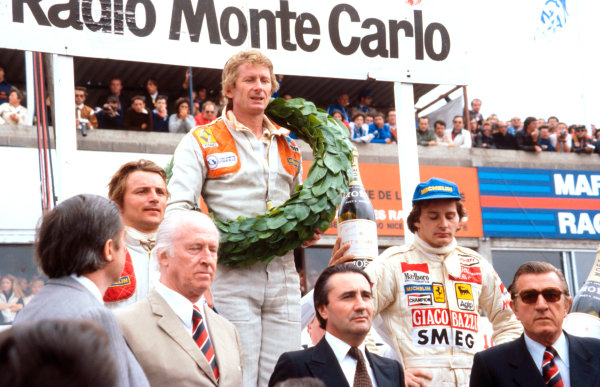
(381, 39)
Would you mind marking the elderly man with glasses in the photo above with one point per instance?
(544, 355)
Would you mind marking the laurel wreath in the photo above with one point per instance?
(246, 241)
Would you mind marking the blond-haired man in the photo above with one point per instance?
(242, 165)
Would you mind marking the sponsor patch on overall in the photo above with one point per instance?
(467, 260)
(437, 327)
(292, 144)
(469, 274)
(411, 289)
(464, 297)
(293, 162)
(419, 299)
(221, 160)
(505, 296)
(206, 138)
(415, 273)
(439, 295)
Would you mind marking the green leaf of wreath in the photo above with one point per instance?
(246, 241)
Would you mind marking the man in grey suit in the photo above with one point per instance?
(176, 337)
(80, 247)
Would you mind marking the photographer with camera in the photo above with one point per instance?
(111, 117)
(561, 140)
(581, 142)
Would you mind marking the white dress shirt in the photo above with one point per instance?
(347, 362)
(562, 360)
(182, 307)
(89, 285)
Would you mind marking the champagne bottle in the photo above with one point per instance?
(584, 317)
(356, 221)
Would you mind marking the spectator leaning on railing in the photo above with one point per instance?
(111, 116)
(160, 116)
(359, 131)
(544, 141)
(502, 137)
(527, 137)
(137, 116)
(380, 129)
(425, 136)
(484, 138)
(442, 137)
(581, 142)
(12, 112)
(460, 136)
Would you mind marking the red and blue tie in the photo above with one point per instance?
(201, 338)
(550, 369)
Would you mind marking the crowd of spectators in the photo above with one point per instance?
(149, 111)
(16, 292)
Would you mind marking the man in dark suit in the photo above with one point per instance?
(81, 248)
(344, 308)
(544, 355)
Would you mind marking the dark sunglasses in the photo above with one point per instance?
(530, 296)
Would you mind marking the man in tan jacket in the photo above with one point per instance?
(176, 337)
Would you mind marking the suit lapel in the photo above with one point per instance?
(379, 371)
(325, 366)
(582, 372)
(168, 321)
(525, 372)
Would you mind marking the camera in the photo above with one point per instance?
(107, 108)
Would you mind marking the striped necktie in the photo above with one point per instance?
(550, 369)
(361, 375)
(201, 338)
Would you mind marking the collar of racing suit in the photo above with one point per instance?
(428, 249)
(147, 241)
(450, 261)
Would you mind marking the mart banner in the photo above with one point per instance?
(539, 203)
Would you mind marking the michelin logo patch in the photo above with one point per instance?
(410, 289)
(221, 160)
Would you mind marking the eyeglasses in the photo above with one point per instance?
(530, 296)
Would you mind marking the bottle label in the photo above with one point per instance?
(595, 272)
(362, 235)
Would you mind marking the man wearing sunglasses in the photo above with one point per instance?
(544, 355)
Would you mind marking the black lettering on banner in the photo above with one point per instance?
(423, 338)
(118, 16)
(255, 17)
(301, 30)
(34, 7)
(440, 335)
(285, 16)
(225, 27)
(445, 37)
(72, 7)
(395, 27)
(418, 35)
(334, 29)
(105, 15)
(378, 37)
(194, 20)
(150, 17)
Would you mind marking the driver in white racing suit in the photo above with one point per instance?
(428, 293)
